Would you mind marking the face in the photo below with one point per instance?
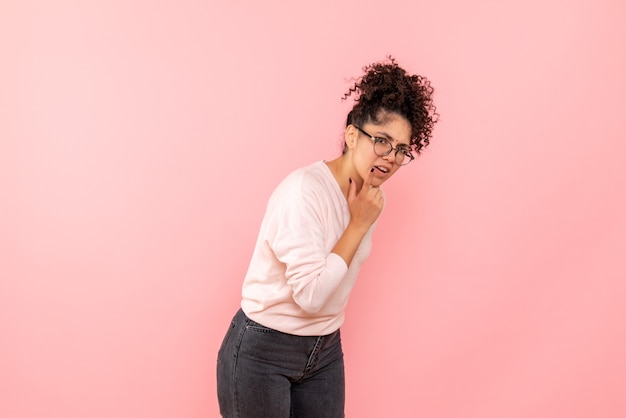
(396, 129)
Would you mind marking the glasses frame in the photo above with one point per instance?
(391, 148)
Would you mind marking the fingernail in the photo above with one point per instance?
(372, 170)
(350, 180)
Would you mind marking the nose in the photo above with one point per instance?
(391, 157)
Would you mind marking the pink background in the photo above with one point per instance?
(140, 141)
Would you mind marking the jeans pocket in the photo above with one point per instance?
(225, 340)
(255, 326)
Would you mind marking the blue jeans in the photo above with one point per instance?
(265, 373)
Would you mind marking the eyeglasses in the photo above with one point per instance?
(382, 147)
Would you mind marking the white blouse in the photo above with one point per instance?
(294, 283)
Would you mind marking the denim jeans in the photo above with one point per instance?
(264, 373)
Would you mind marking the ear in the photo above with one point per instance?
(350, 135)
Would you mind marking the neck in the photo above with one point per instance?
(343, 172)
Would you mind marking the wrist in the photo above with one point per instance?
(359, 228)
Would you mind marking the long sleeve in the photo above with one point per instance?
(299, 238)
(294, 282)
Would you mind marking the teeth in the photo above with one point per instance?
(383, 169)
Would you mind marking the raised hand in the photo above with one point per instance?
(366, 205)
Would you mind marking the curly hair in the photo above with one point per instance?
(387, 89)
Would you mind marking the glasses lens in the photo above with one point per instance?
(403, 157)
(381, 147)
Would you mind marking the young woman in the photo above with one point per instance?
(282, 355)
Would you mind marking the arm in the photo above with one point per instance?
(364, 210)
(296, 233)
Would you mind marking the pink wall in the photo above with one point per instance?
(140, 140)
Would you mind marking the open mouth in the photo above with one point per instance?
(381, 169)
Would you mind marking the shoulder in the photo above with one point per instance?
(305, 179)
(307, 186)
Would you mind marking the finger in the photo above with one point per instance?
(351, 190)
(367, 183)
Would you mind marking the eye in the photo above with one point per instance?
(380, 140)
